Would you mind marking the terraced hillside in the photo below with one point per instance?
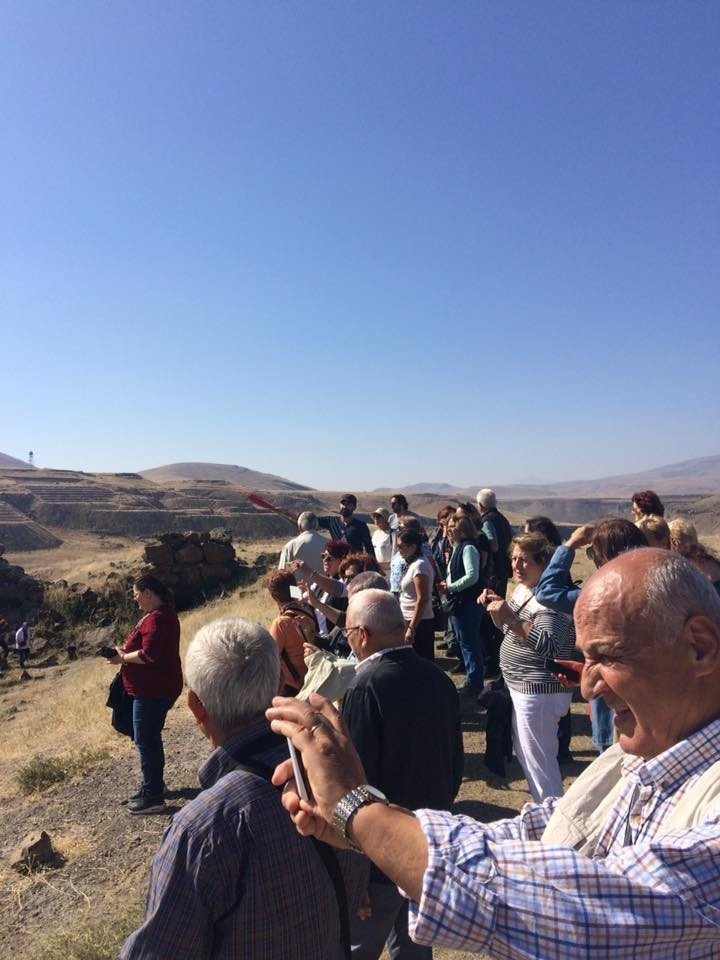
(128, 505)
(19, 532)
(36, 506)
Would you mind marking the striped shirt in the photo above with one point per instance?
(646, 893)
(522, 659)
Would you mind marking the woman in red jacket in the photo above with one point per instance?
(152, 676)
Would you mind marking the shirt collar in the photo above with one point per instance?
(220, 760)
(670, 769)
(374, 657)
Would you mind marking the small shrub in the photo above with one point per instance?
(117, 597)
(65, 601)
(42, 772)
(97, 940)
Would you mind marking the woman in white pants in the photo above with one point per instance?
(532, 632)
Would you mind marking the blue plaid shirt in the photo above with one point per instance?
(233, 880)
(494, 887)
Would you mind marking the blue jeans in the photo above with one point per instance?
(148, 722)
(465, 621)
(601, 719)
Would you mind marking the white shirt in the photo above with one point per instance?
(383, 544)
(408, 593)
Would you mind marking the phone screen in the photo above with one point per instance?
(298, 772)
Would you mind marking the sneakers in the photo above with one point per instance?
(143, 804)
(140, 794)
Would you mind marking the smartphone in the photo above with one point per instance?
(108, 652)
(554, 667)
(298, 772)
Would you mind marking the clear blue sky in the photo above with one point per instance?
(357, 243)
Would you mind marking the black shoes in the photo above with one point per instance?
(143, 804)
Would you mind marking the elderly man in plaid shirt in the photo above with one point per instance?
(232, 879)
(627, 864)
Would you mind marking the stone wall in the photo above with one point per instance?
(195, 566)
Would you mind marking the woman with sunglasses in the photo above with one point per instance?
(353, 565)
(326, 585)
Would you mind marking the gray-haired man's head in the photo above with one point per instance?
(307, 521)
(233, 667)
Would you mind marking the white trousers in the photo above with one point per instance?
(535, 723)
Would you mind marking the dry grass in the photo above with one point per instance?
(75, 705)
(40, 772)
(91, 939)
(81, 558)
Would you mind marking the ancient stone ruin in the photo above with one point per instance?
(196, 566)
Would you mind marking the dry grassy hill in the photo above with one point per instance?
(242, 477)
(12, 463)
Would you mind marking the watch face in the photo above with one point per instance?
(374, 792)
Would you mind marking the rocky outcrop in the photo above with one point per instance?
(20, 594)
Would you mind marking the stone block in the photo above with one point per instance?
(218, 552)
(216, 572)
(221, 535)
(192, 576)
(34, 851)
(159, 554)
(190, 553)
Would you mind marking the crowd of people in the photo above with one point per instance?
(367, 854)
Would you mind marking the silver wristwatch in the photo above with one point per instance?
(350, 804)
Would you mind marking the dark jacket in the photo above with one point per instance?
(403, 715)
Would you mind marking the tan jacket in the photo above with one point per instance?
(578, 817)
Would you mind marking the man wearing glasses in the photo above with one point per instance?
(403, 715)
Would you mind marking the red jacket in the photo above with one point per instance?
(157, 635)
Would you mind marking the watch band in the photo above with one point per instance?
(349, 805)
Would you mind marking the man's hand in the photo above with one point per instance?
(332, 766)
(580, 537)
(301, 569)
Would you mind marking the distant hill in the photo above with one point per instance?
(12, 463)
(439, 488)
(700, 476)
(242, 477)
